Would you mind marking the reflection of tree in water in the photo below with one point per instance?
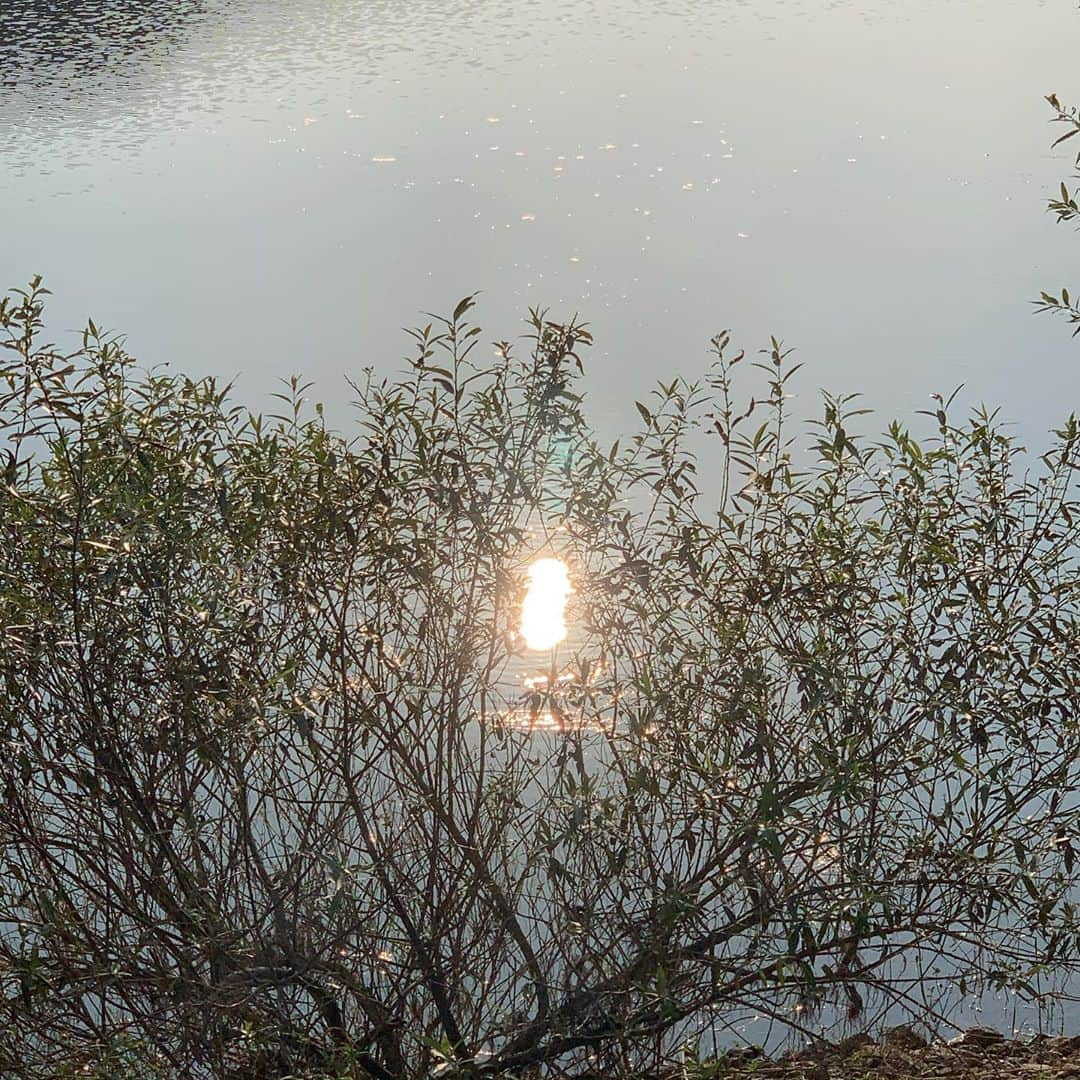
(82, 34)
(87, 63)
(90, 62)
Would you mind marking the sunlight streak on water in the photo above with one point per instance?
(543, 612)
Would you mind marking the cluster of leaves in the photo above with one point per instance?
(1065, 208)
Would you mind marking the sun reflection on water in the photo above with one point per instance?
(560, 692)
(543, 612)
(560, 701)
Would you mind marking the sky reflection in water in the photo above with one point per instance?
(273, 186)
(270, 187)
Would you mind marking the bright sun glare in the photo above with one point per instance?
(543, 613)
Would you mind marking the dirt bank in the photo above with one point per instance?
(901, 1054)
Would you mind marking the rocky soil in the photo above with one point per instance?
(901, 1054)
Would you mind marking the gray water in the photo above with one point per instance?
(255, 188)
(263, 187)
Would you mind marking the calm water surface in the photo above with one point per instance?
(260, 187)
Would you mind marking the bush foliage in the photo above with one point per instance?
(276, 801)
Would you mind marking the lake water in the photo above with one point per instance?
(255, 188)
(262, 187)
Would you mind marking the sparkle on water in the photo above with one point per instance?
(543, 612)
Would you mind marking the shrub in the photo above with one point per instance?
(277, 802)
